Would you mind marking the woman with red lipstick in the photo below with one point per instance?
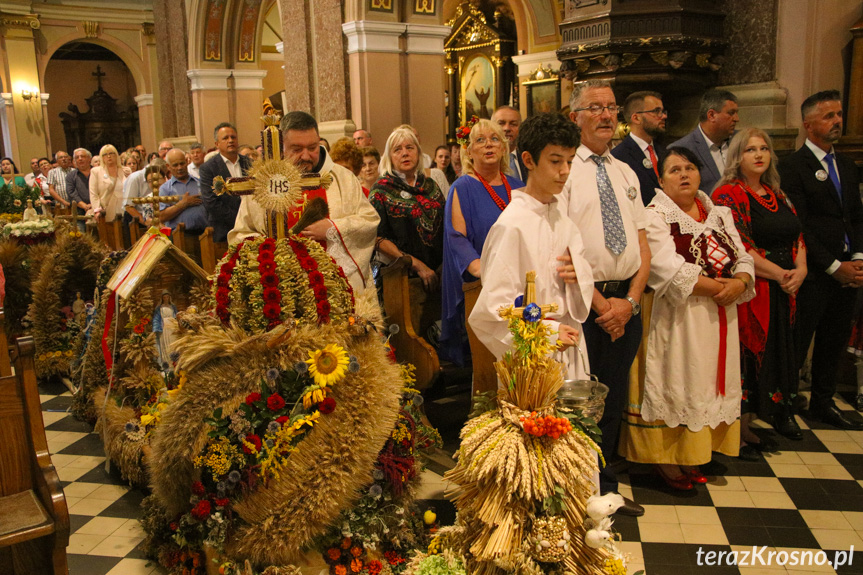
(700, 272)
(771, 233)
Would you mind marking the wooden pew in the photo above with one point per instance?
(5, 362)
(110, 233)
(410, 346)
(484, 375)
(187, 243)
(211, 252)
(34, 522)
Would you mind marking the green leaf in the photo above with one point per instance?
(218, 413)
(482, 403)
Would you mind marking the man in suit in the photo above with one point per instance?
(717, 118)
(639, 149)
(824, 187)
(509, 119)
(228, 163)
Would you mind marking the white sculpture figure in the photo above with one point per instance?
(165, 326)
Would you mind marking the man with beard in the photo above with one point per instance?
(717, 118)
(601, 196)
(824, 187)
(349, 233)
(640, 150)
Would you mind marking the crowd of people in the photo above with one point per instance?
(708, 266)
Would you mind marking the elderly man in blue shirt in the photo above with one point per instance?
(188, 210)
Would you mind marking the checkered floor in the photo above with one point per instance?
(807, 497)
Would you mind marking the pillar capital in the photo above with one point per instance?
(527, 63)
(373, 36)
(205, 79)
(249, 79)
(44, 98)
(6, 99)
(427, 38)
(144, 100)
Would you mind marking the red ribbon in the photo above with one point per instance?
(723, 336)
(111, 309)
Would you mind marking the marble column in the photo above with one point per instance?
(248, 97)
(43, 98)
(298, 66)
(146, 120)
(169, 19)
(211, 103)
(7, 125)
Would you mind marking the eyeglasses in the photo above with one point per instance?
(596, 109)
(655, 112)
(482, 140)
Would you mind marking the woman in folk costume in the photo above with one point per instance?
(772, 234)
(700, 271)
(533, 234)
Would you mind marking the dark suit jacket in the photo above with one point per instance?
(221, 210)
(628, 152)
(695, 142)
(826, 219)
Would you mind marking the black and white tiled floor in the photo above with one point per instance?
(807, 497)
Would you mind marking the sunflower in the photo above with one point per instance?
(328, 365)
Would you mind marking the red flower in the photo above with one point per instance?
(198, 488)
(327, 406)
(340, 570)
(374, 567)
(223, 502)
(223, 295)
(316, 278)
(270, 280)
(267, 267)
(777, 397)
(267, 245)
(346, 543)
(173, 525)
(745, 396)
(265, 257)
(253, 397)
(223, 280)
(320, 293)
(201, 510)
(254, 440)
(393, 558)
(333, 554)
(356, 551)
(139, 329)
(275, 402)
(272, 295)
(391, 354)
(282, 420)
(272, 310)
(356, 565)
(323, 309)
(308, 263)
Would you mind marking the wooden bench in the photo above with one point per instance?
(211, 252)
(110, 233)
(5, 362)
(34, 522)
(484, 375)
(410, 345)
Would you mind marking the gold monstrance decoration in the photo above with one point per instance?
(277, 185)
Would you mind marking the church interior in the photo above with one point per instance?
(128, 447)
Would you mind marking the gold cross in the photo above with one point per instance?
(528, 298)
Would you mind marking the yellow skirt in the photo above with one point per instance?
(654, 442)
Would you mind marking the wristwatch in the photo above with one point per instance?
(636, 307)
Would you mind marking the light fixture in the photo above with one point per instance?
(27, 95)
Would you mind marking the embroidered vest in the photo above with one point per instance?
(707, 252)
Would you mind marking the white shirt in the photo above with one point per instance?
(821, 154)
(194, 171)
(135, 186)
(580, 200)
(643, 145)
(233, 167)
(716, 151)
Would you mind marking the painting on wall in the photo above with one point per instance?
(478, 87)
(543, 97)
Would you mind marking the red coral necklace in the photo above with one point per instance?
(768, 202)
(702, 211)
(497, 199)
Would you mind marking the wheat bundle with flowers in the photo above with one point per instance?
(523, 474)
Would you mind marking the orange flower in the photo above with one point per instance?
(356, 565)
(346, 543)
(333, 553)
(356, 551)
(340, 570)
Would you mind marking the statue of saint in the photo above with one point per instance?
(79, 309)
(30, 214)
(165, 328)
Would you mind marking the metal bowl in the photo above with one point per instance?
(585, 395)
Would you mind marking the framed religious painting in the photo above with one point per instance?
(542, 92)
(478, 86)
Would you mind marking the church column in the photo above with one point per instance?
(331, 96)
(210, 100)
(527, 65)
(375, 76)
(146, 120)
(426, 67)
(6, 122)
(169, 20)
(29, 138)
(249, 96)
(44, 99)
(298, 84)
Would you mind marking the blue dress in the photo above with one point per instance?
(480, 213)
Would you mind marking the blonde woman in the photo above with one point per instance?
(106, 184)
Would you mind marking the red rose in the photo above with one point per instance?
(254, 440)
(252, 398)
(265, 257)
(316, 278)
(272, 310)
(198, 488)
(282, 420)
(224, 502)
(272, 295)
(267, 267)
(275, 402)
(269, 280)
(777, 397)
(201, 510)
(327, 406)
